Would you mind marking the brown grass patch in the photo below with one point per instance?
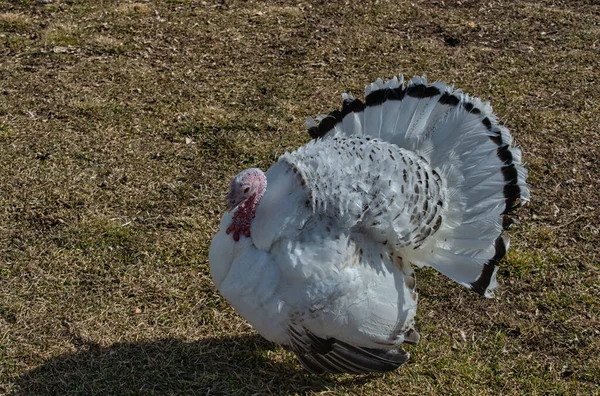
(62, 34)
(134, 9)
(121, 125)
(14, 22)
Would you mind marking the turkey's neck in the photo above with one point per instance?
(242, 218)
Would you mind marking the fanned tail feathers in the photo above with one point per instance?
(460, 137)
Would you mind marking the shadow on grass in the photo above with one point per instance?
(214, 366)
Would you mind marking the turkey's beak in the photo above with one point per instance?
(232, 202)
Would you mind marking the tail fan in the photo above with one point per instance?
(461, 138)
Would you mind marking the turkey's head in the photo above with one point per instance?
(245, 191)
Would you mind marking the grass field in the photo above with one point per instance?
(122, 123)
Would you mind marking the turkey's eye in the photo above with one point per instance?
(246, 190)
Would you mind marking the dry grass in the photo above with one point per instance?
(121, 124)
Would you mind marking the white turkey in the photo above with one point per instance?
(318, 252)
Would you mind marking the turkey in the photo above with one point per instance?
(318, 252)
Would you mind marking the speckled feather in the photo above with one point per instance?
(372, 187)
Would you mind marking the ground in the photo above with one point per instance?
(122, 123)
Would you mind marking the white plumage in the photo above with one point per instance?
(417, 175)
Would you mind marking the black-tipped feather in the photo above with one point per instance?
(449, 99)
(422, 91)
(483, 281)
(352, 106)
(376, 97)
